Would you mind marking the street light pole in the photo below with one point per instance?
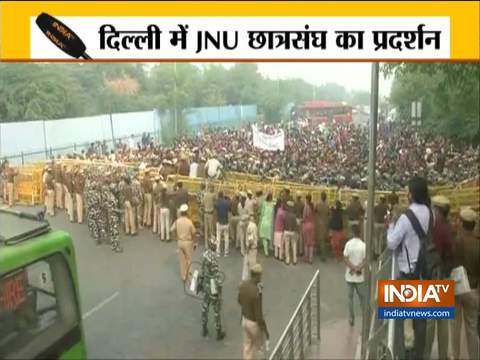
(372, 146)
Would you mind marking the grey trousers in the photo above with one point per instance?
(442, 338)
(355, 287)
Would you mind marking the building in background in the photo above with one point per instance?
(316, 112)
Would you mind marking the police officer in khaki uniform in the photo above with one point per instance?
(354, 213)
(11, 173)
(254, 327)
(129, 207)
(209, 208)
(467, 253)
(183, 167)
(184, 232)
(147, 188)
(50, 192)
(78, 187)
(58, 185)
(156, 204)
(68, 189)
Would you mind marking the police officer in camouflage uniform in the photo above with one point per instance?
(112, 211)
(93, 205)
(212, 291)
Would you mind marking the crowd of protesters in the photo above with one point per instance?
(335, 155)
(290, 226)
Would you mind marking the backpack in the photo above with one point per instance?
(429, 262)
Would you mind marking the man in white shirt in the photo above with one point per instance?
(212, 168)
(131, 143)
(354, 255)
(403, 240)
(193, 173)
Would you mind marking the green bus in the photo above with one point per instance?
(40, 315)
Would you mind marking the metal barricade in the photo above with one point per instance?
(303, 326)
(381, 335)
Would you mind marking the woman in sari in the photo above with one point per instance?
(266, 223)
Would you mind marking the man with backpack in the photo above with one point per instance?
(417, 259)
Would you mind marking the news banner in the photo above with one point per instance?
(416, 299)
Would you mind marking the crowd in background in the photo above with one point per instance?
(289, 226)
(334, 155)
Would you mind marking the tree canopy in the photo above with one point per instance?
(28, 91)
(51, 91)
(449, 94)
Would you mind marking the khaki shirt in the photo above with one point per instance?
(49, 182)
(379, 213)
(157, 189)
(467, 253)
(147, 185)
(323, 212)
(354, 211)
(209, 202)
(58, 173)
(68, 181)
(79, 183)
(184, 229)
(250, 300)
(11, 173)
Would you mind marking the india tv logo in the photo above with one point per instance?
(416, 299)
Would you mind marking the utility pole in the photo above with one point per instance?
(175, 98)
(372, 146)
(45, 139)
(111, 122)
(111, 127)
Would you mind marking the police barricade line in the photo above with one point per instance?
(458, 197)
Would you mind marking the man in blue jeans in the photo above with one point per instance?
(222, 207)
(354, 255)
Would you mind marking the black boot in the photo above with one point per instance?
(205, 331)
(221, 335)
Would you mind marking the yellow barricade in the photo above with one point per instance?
(29, 187)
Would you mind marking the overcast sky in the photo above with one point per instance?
(353, 76)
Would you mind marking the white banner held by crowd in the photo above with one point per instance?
(268, 142)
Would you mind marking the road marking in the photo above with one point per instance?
(99, 305)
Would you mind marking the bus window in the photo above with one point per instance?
(38, 309)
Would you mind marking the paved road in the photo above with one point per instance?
(134, 304)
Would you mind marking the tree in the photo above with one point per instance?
(360, 97)
(331, 91)
(450, 96)
(47, 93)
(242, 85)
(213, 83)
